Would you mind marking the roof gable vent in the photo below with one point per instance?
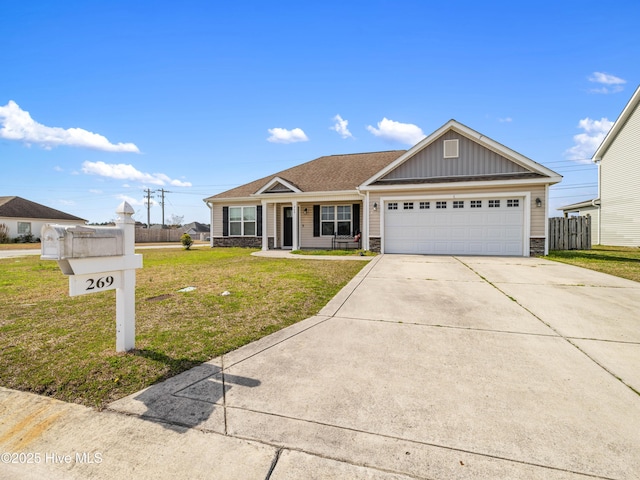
(451, 149)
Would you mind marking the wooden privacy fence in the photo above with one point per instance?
(572, 233)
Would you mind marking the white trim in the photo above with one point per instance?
(296, 226)
(526, 228)
(265, 236)
(463, 185)
(275, 225)
(276, 180)
(617, 126)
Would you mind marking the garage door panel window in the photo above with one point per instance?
(441, 205)
(392, 206)
(425, 205)
(494, 203)
(458, 204)
(513, 202)
(476, 204)
(336, 219)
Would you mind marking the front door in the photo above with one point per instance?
(287, 237)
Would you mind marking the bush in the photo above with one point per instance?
(4, 233)
(186, 241)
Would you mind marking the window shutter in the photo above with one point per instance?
(225, 221)
(355, 215)
(316, 220)
(259, 220)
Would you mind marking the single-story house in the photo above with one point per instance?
(24, 217)
(455, 192)
(197, 230)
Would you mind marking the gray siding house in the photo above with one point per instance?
(455, 192)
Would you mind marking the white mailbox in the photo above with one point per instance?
(98, 259)
(63, 242)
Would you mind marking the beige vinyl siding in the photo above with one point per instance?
(620, 187)
(217, 214)
(307, 240)
(537, 214)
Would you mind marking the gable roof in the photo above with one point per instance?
(333, 173)
(527, 167)
(617, 126)
(17, 207)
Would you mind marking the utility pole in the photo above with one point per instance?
(162, 203)
(149, 197)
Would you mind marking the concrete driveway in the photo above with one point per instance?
(422, 367)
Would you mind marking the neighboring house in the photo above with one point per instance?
(615, 218)
(24, 217)
(196, 230)
(455, 192)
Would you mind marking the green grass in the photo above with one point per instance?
(619, 261)
(64, 347)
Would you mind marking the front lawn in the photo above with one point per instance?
(619, 261)
(64, 347)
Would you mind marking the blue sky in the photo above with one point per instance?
(102, 100)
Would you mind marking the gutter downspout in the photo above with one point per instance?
(210, 223)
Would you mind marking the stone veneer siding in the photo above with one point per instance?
(375, 245)
(536, 247)
(251, 242)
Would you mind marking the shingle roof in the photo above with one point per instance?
(18, 207)
(325, 174)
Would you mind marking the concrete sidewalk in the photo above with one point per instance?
(422, 367)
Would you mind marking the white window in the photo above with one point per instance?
(24, 228)
(392, 206)
(476, 203)
(336, 219)
(494, 203)
(513, 202)
(424, 205)
(242, 221)
(451, 149)
(441, 204)
(458, 204)
(408, 205)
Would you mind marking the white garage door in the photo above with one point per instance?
(455, 227)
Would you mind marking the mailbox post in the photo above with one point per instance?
(98, 259)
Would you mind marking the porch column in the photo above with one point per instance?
(265, 235)
(295, 222)
(275, 225)
(365, 220)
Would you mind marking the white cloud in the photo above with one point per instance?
(505, 120)
(121, 171)
(341, 127)
(612, 84)
(96, 192)
(18, 125)
(397, 132)
(282, 135)
(587, 143)
(134, 202)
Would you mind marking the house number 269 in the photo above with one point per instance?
(102, 282)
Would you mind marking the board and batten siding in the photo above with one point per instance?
(538, 218)
(620, 187)
(473, 159)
